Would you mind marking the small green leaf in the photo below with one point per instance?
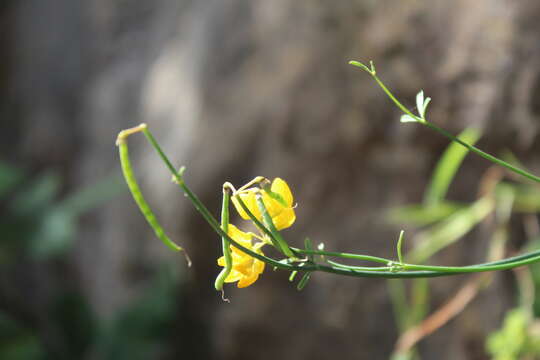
(420, 102)
(407, 118)
(399, 245)
(293, 275)
(303, 282)
(426, 103)
(360, 65)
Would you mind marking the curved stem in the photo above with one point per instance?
(505, 264)
(363, 268)
(280, 244)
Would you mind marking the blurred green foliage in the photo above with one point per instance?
(442, 222)
(38, 227)
(516, 339)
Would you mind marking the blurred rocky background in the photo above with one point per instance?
(233, 89)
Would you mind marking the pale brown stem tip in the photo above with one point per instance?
(122, 135)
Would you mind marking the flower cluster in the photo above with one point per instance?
(246, 269)
(278, 202)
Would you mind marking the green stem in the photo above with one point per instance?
(343, 255)
(395, 100)
(267, 219)
(176, 175)
(482, 153)
(256, 221)
(505, 264)
(363, 268)
(220, 280)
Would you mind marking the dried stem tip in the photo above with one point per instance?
(122, 135)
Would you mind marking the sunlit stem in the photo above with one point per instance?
(343, 255)
(256, 221)
(256, 180)
(292, 276)
(362, 268)
(267, 219)
(220, 280)
(303, 281)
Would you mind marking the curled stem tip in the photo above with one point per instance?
(188, 259)
(370, 69)
(122, 135)
(223, 297)
(360, 65)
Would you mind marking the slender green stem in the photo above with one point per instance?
(303, 281)
(343, 255)
(395, 100)
(482, 153)
(177, 175)
(363, 268)
(267, 219)
(253, 218)
(220, 280)
(505, 264)
(259, 224)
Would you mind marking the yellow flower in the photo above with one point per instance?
(280, 206)
(245, 269)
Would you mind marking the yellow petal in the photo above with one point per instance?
(280, 187)
(221, 261)
(285, 219)
(244, 266)
(251, 203)
(238, 235)
(258, 267)
(273, 206)
(246, 281)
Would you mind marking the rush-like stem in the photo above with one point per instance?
(267, 219)
(226, 246)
